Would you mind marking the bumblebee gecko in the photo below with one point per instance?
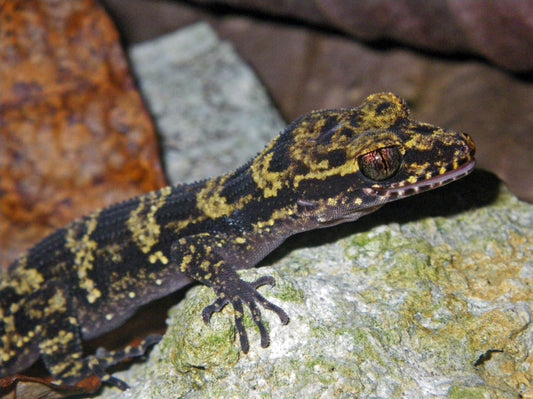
(327, 167)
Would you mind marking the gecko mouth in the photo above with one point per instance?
(423, 185)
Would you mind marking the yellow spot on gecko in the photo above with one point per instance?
(56, 304)
(158, 256)
(412, 179)
(142, 222)
(78, 241)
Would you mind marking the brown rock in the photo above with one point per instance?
(75, 134)
(501, 31)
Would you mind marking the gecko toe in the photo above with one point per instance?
(215, 307)
(264, 280)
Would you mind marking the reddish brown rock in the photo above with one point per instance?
(75, 133)
(500, 31)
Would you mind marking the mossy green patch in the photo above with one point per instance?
(458, 392)
(198, 346)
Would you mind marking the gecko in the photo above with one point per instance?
(327, 167)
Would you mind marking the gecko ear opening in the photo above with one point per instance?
(304, 205)
(380, 164)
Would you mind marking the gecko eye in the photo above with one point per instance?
(380, 164)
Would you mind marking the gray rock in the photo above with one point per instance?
(210, 109)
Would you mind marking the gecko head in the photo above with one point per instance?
(341, 164)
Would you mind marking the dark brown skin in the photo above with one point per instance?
(327, 167)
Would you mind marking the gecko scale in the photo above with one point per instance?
(327, 167)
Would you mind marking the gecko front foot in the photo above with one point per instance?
(237, 292)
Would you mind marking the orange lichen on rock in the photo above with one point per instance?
(75, 133)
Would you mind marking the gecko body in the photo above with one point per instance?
(327, 167)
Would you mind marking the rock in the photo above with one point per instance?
(75, 135)
(500, 31)
(211, 111)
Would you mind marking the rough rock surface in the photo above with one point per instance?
(75, 134)
(212, 112)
